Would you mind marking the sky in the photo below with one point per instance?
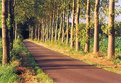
(118, 18)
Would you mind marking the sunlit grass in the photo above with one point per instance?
(8, 74)
(41, 76)
(22, 51)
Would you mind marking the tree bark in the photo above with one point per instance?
(48, 27)
(63, 26)
(52, 27)
(5, 57)
(38, 32)
(35, 32)
(60, 28)
(46, 33)
(67, 29)
(56, 27)
(77, 24)
(30, 32)
(12, 22)
(111, 32)
(96, 27)
(87, 42)
(72, 27)
(16, 29)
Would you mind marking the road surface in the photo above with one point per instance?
(63, 69)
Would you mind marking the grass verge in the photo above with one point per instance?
(30, 63)
(38, 74)
(8, 74)
(22, 68)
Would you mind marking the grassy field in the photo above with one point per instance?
(104, 44)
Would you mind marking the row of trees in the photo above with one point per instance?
(57, 20)
(7, 36)
(55, 23)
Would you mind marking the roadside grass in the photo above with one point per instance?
(7, 72)
(32, 72)
(10, 74)
(113, 65)
(40, 75)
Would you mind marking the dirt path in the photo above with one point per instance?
(64, 69)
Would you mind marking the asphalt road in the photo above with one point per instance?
(64, 69)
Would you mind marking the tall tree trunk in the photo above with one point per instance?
(111, 32)
(38, 32)
(52, 27)
(32, 33)
(12, 22)
(63, 26)
(42, 32)
(35, 32)
(47, 31)
(5, 57)
(60, 28)
(77, 24)
(16, 29)
(29, 32)
(67, 29)
(72, 27)
(96, 27)
(50, 31)
(87, 43)
(56, 27)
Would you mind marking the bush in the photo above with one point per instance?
(7, 74)
(17, 50)
(117, 60)
(104, 45)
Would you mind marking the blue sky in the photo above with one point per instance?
(118, 18)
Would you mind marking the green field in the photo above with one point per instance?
(104, 45)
